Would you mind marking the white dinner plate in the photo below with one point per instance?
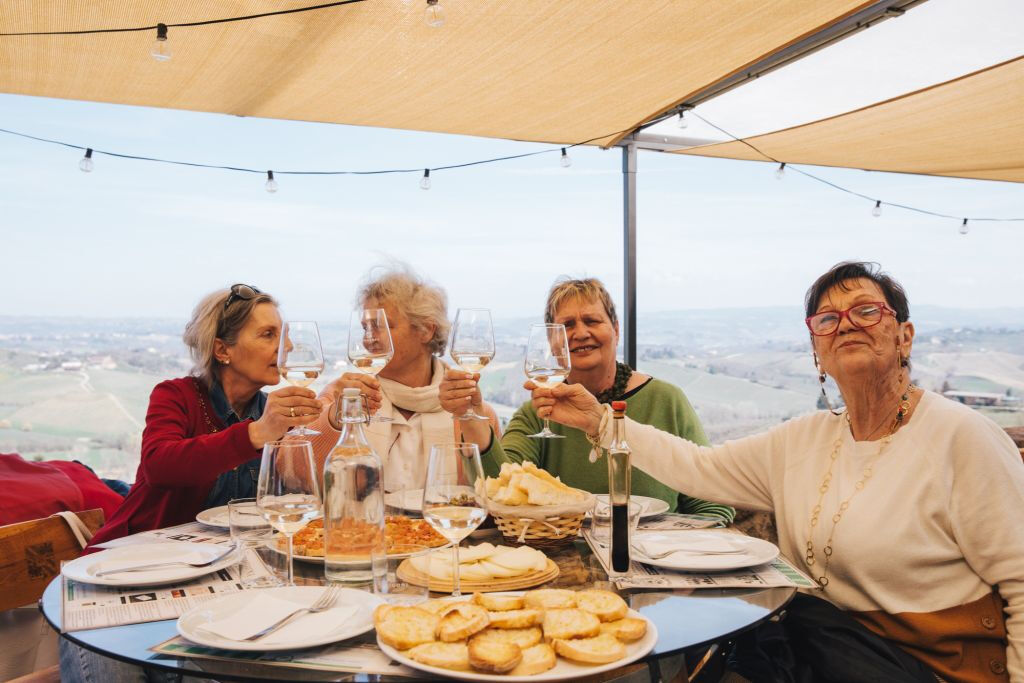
(651, 507)
(348, 627)
(754, 551)
(410, 500)
(564, 669)
(84, 568)
(218, 517)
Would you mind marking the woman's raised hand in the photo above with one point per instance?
(286, 408)
(459, 390)
(568, 404)
(368, 385)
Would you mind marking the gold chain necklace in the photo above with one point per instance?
(901, 412)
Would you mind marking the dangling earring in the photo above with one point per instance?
(821, 381)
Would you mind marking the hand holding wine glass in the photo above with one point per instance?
(453, 498)
(370, 347)
(287, 492)
(300, 360)
(472, 345)
(547, 363)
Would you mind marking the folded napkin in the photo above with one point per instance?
(263, 610)
(169, 552)
(688, 543)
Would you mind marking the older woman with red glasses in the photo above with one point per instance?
(904, 507)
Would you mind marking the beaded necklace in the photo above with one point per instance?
(901, 411)
(622, 374)
(202, 405)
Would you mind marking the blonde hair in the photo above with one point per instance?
(211, 322)
(421, 302)
(589, 290)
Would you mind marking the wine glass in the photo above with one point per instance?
(287, 492)
(547, 363)
(300, 360)
(472, 345)
(453, 498)
(370, 348)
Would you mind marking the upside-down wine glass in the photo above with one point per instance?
(287, 492)
(453, 498)
(300, 360)
(472, 345)
(547, 363)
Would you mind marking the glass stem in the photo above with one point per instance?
(456, 592)
(547, 426)
(291, 579)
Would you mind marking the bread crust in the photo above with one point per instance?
(604, 605)
(627, 630)
(493, 656)
(523, 637)
(498, 603)
(550, 598)
(405, 627)
(520, 618)
(565, 624)
(602, 649)
(460, 622)
(536, 659)
(442, 655)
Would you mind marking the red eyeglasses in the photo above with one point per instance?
(861, 316)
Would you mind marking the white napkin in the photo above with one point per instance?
(177, 552)
(264, 610)
(687, 543)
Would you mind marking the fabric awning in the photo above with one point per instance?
(537, 70)
(969, 127)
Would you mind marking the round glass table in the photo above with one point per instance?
(686, 621)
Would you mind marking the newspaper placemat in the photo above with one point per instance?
(778, 572)
(357, 655)
(190, 532)
(85, 605)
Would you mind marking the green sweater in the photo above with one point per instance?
(656, 403)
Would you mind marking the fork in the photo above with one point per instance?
(324, 602)
(666, 553)
(152, 565)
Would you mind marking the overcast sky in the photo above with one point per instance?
(136, 238)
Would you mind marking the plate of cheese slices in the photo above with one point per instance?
(539, 635)
(484, 568)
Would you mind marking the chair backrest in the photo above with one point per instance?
(31, 553)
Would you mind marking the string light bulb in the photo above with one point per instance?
(161, 51)
(683, 122)
(271, 185)
(963, 228)
(566, 161)
(425, 180)
(434, 15)
(780, 172)
(877, 211)
(85, 165)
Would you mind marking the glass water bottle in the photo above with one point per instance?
(618, 492)
(353, 501)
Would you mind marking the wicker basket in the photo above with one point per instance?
(540, 526)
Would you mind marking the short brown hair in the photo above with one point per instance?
(841, 273)
(589, 289)
(210, 322)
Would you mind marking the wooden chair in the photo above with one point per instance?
(30, 557)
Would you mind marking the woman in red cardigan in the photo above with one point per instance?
(203, 436)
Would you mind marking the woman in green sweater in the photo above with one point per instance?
(592, 328)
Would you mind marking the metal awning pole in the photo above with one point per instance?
(628, 325)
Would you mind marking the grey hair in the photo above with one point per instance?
(421, 302)
(211, 322)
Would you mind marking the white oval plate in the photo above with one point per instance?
(410, 500)
(755, 551)
(564, 669)
(652, 507)
(190, 621)
(84, 568)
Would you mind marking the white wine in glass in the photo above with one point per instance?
(287, 492)
(370, 347)
(300, 360)
(472, 345)
(453, 498)
(547, 363)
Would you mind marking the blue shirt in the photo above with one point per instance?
(241, 481)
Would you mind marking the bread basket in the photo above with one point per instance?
(541, 526)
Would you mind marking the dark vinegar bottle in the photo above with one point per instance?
(618, 491)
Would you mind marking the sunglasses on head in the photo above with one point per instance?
(242, 292)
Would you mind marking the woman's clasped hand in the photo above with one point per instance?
(285, 408)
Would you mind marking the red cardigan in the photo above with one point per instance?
(185, 447)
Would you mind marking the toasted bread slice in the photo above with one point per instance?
(494, 656)
(600, 649)
(550, 598)
(498, 603)
(627, 630)
(523, 637)
(460, 622)
(444, 655)
(518, 618)
(405, 627)
(604, 605)
(536, 659)
(380, 612)
(570, 623)
(439, 607)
